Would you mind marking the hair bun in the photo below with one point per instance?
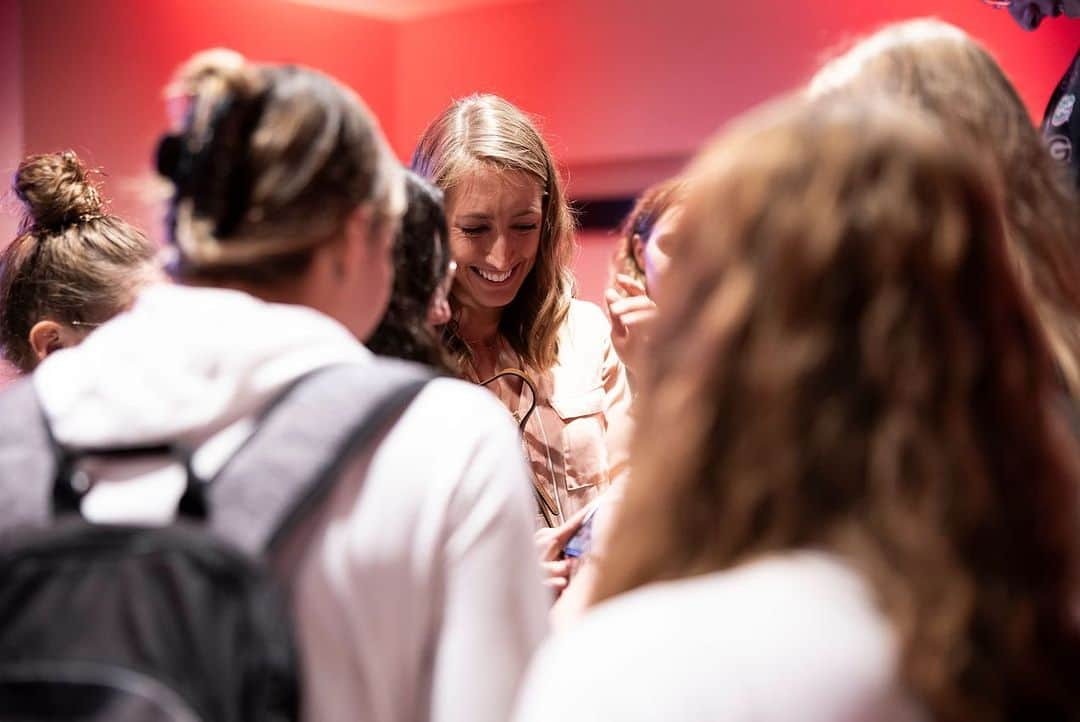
(56, 190)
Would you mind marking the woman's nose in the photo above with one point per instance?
(500, 254)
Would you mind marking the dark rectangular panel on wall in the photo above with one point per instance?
(601, 213)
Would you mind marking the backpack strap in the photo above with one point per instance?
(302, 446)
(27, 463)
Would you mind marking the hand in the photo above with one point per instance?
(631, 312)
(1030, 13)
(549, 546)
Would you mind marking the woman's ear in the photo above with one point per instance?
(48, 336)
(638, 245)
(439, 313)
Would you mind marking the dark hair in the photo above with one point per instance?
(856, 369)
(269, 163)
(72, 262)
(421, 257)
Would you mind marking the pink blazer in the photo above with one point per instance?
(577, 440)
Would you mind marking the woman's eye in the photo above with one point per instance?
(473, 230)
(526, 227)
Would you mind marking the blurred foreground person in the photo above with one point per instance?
(851, 498)
(395, 510)
(940, 69)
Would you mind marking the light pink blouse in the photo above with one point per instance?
(576, 440)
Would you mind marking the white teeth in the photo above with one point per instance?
(493, 277)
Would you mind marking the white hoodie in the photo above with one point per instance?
(419, 597)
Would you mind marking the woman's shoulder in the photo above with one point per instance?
(723, 643)
(585, 329)
(584, 346)
(587, 316)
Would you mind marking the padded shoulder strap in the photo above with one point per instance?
(27, 464)
(303, 445)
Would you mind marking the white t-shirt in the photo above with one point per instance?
(793, 638)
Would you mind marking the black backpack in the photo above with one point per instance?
(182, 623)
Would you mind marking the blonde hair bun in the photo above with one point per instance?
(56, 190)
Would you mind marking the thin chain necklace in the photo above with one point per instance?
(486, 345)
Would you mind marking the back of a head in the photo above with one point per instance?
(942, 70)
(267, 164)
(72, 262)
(421, 259)
(856, 369)
(487, 131)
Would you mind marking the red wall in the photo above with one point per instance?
(93, 72)
(618, 79)
(11, 136)
(11, 141)
(628, 89)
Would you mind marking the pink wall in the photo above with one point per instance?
(627, 89)
(93, 71)
(651, 79)
(11, 127)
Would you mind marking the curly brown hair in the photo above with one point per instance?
(943, 71)
(856, 369)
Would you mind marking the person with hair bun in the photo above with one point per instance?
(854, 496)
(515, 325)
(72, 265)
(414, 586)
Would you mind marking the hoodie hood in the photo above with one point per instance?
(183, 364)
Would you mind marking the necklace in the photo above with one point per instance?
(486, 345)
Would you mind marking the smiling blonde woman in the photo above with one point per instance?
(511, 233)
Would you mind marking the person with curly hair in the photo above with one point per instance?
(853, 496)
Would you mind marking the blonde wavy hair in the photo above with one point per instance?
(487, 130)
(942, 70)
(849, 364)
